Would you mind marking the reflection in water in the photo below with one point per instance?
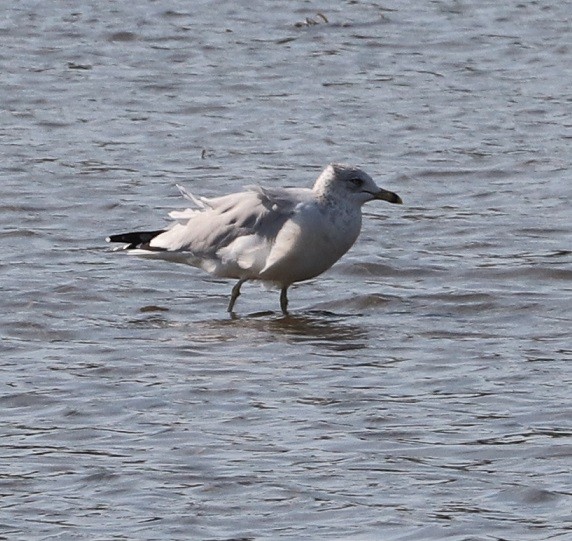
(333, 331)
(330, 329)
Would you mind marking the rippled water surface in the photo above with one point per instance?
(419, 390)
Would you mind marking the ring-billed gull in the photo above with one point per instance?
(275, 235)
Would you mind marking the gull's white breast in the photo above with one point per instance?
(311, 241)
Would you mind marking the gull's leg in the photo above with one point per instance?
(235, 293)
(284, 300)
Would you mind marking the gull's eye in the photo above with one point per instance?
(357, 182)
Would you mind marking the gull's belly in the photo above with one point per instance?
(309, 245)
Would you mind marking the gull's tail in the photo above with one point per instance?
(136, 239)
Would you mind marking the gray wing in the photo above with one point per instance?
(258, 211)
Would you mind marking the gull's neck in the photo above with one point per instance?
(324, 190)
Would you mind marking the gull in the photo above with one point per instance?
(278, 236)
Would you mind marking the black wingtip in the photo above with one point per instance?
(135, 239)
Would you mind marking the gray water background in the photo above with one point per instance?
(419, 390)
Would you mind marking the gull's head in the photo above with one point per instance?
(351, 184)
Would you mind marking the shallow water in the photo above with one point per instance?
(419, 390)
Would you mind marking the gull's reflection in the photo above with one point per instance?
(337, 332)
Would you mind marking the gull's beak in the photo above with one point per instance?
(386, 195)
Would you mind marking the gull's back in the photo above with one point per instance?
(233, 235)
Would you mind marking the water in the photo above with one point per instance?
(419, 390)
